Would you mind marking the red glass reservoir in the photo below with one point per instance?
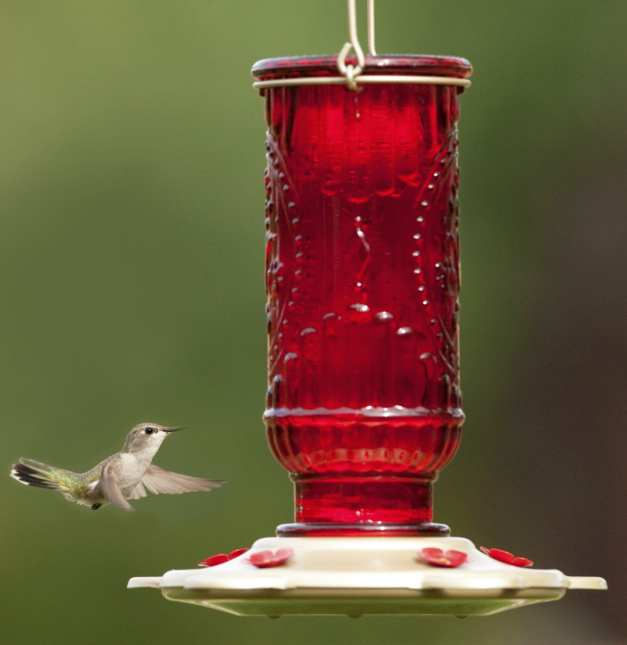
(362, 277)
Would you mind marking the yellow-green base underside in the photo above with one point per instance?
(359, 602)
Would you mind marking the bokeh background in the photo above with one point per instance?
(131, 238)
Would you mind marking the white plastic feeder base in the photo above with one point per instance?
(357, 576)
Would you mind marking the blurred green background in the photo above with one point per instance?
(131, 238)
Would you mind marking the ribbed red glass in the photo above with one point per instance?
(362, 277)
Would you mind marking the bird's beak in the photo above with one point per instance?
(176, 429)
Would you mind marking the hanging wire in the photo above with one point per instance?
(351, 72)
(371, 30)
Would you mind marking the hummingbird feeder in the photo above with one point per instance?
(363, 402)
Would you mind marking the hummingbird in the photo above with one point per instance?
(125, 475)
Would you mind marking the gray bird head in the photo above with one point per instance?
(146, 438)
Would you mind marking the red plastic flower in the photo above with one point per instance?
(221, 558)
(505, 556)
(269, 558)
(439, 558)
(235, 553)
(214, 560)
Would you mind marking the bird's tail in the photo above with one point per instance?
(34, 473)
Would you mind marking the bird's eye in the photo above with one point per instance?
(149, 430)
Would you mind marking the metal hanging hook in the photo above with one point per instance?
(351, 72)
(351, 75)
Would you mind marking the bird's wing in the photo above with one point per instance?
(110, 488)
(164, 482)
(138, 492)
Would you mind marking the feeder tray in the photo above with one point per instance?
(363, 403)
(356, 576)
